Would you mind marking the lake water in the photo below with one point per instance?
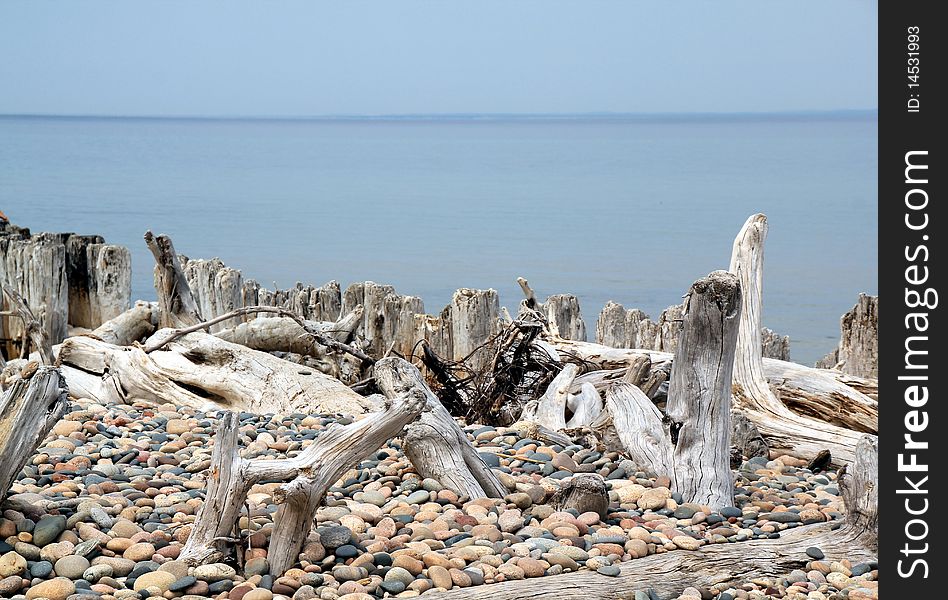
(627, 209)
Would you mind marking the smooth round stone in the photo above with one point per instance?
(781, 517)
(399, 574)
(729, 511)
(608, 570)
(71, 567)
(159, 579)
(48, 529)
(419, 497)
(373, 498)
(182, 584)
(815, 553)
(343, 573)
(381, 559)
(259, 594)
(59, 588)
(214, 572)
(334, 536)
(392, 587)
(258, 566)
(347, 551)
(684, 512)
(42, 569)
(97, 572)
(491, 459)
(476, 575)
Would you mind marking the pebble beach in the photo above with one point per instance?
(118, 487)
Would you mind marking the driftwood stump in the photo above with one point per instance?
(28, 411)
(691, 444)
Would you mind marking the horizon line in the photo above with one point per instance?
(466, 116)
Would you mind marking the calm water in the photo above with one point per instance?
(631, 210)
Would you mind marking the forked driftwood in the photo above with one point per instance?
(308, 476)
(720, 566)
(28, 410)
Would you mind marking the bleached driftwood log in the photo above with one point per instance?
(177, 307)
(308, 474)
(205, 372)
(28, 410)
(389, 318)
(774, 345)
(563, 312)
(217, 289)
(691, 444)
(785, 431)
(549, 410)
(585, 406)
(721, 566)
(858, 350)
(133, 325)
(436, 445)
(287, 335)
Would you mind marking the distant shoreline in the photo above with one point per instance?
(849, 114)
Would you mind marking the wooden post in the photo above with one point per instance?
(177, 305)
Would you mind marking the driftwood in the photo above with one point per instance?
(691, 444)
(549, 410)
(99, 276)
(858, 350)
(785, 431)
(177, 307)
(435, 443)
(721, 566)
(28, 410)
(204, 372)
(309, 475)
(586, 492)
(133, 325)
(32, 331)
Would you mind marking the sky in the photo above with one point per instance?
(310, 58)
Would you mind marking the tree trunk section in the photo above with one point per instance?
(785, 431)
(28, 411)
(858, 350)
(177, 307)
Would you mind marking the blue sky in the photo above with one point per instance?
(405, 57)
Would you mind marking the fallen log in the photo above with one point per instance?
(28, 411)
(721, 566)
(436, 445)
(205, 372)
(308, 474)
(133, 325)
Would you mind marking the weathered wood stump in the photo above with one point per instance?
(28, 411)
